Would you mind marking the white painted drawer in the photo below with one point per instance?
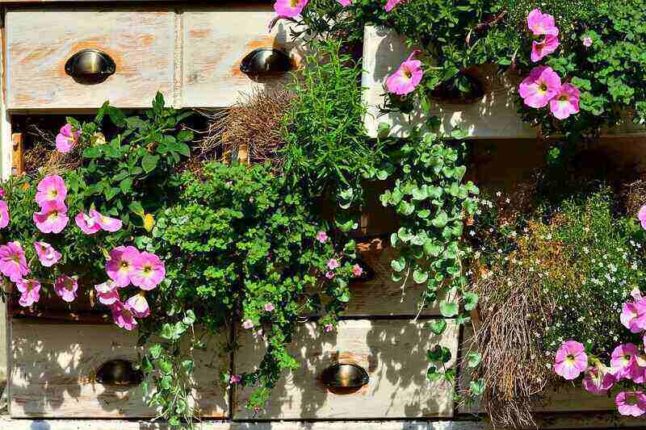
(39, 43)
(393, 352)
(53, 373)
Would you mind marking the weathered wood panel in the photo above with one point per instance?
(392, 351)
(54, 368)
(214, 43)
(39, 42)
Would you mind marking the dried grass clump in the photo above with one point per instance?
(41, 158)
(634, 196)
(253, 125)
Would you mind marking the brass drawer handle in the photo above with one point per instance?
(346, 375)
(119, 372)
(90, 66)
(266, 61)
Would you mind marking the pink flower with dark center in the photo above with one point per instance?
(67, 138)
(13, 263)
(565, 102)
(624, 361)
(641, 215)
(322, 237)
(66, 288)
(51, 189)
(105, 222)
(391, 4)
(123, 316)
(406, 78)
(633, 315)
(333, 263)
(52, 217)
(329, 275)
(269, 307)
(234, 379)
(541, 23)
(247, 324)
(289, 8)
(357, 270)
(30, 292)
(46, 254)
(121, 264)
(543, 48)
(328, 328)
(570, 360)
(539, 87)
(587, 41)
(107, 293)
(87, 223)
(148, 271)
(631, 403)
(598, 380)
(4, 214)
(138, 305)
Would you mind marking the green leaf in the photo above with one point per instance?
(473, 359)
(448, 309)
(477, 387)
(440, 220)
(470, 300)
(437, 326)
(420, 276)
(149, 162)
(398, 264)
(433, 374)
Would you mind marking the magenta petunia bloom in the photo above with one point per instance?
(46, 254)
(67, 138)
(138, 305)
(329, 275)
(598, 380)
(289, 8)
(52, 217)
(624, 361)
(148, 271)
(247, 324)
(269, 307)
(4, 214)
(541, 23)
(30, 292)
(565, 102)
(322, 237)
(51, 189)
(631, 403)
(328, 328)
(344, 3)
(13, 263)
(66, 288)
(587, 41)
(641, 216)
(406, 78)
(333, 263)
(543, 48)
(357, 270)
(633, 315)
(391, 4)
(123, 316)
(105, 222)
(570, 360)
(88, 224)
(107, 293)
(121, 264)
(235, 379)
(539, 87)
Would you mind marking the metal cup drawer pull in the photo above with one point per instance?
(90, 66)
(266, 61)
(345, 375)
(119, 372)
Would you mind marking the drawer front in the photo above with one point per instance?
(39, 43)
(214, 44)
(393, 352)
(53, 373)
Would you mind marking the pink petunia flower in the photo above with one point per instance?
(30, 292)
(329, 275)
(587, 41)
(2, 193)
(391, 4)
(107, 293)
(234, 379)
(67, 138)
(46, 254)
(624, 361)
(123, 316)
(269, 307)
(138, 305)
(357, 270)
(539, 87)
(344, 3)
(565, 102)
(66, 288)
(570, 360)
(121, 264)
(633, 315)
(543, 48)
(88, 224)
(148, 271)
(289, 8)
(406, 78)
(598, 380)
(247, 324)
(322, 236)
(105, 222)
(641, 216)
(328, 328)
(51, 189)
(541, 23)
(13, 263)
(631, 403)
(52, 217)
(4, 214)
(333, 263)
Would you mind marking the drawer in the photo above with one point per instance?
(214, 43)
(53, 373)
(393, 352)
(39, 43)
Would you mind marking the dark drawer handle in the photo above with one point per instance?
(90, 66)
(266, 61)
(119, 372)
(345, 376)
